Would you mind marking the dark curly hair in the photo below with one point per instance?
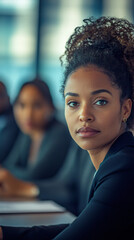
(108, 43)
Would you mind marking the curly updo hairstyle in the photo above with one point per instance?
(108, 43)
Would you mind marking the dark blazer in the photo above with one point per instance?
(51, 156)
(8, 134)
(70, 186)
(110, 211)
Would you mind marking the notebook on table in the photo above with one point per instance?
(36, 206)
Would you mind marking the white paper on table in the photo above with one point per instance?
(7, 207)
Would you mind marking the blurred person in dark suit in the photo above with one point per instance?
(42, 145)
(8, 127)
(69, 187)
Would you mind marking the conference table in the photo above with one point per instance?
(26, 216)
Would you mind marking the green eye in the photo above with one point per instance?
(101, 102)
(72, 104)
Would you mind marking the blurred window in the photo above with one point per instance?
(18, 24)
(33, 34)
(58, 20)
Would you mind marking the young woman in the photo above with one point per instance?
(37, 153)
(99, 110)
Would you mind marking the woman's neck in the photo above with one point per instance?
(37, 135)
(97, 155)
(35, 146)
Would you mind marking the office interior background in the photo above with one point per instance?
(33, 34)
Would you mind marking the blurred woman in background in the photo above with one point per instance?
(42, 145)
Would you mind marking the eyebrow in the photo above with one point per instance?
(93, 93)
(100, 91)
(71, 94)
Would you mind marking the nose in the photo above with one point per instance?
(86, 114)
(28, 113)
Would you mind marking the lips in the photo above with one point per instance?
(87, 132)
(28, 124)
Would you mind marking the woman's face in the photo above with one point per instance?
(92, 108)
(31, 110)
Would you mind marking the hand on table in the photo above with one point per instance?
(10, 186)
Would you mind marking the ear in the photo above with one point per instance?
(126, 109)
